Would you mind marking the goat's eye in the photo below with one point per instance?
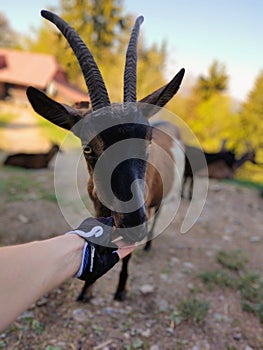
(87, 150)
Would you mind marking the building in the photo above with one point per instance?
(20, 69)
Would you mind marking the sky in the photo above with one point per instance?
(196, 33)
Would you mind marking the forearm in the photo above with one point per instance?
(30, 270)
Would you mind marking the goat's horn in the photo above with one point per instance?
(94, 81)
(131, 64)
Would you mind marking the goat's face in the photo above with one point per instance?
(115, 137)
(115, 145)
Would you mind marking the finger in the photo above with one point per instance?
(124, 249)
(123, 244)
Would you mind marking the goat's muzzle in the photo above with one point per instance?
(132, 227)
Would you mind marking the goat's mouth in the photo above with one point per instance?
(130, 232)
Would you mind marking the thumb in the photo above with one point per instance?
(124, 249)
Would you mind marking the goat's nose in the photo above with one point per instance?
(133, 234)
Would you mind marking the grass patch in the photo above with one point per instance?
(15, 187)
(251, 287)
(248, 283)
(56, 134)
(21, 185)
(6, 118)
(193, 310)
(218, 278)
(233, 260)
(256, 309)
(251, 290)
(256, 185)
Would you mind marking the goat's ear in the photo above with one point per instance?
(61, 115)
(163, 95)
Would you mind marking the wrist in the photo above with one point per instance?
(76, 245)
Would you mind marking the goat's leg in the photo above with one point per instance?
(86, 293)
(148, 244)
(191, 185)
(121, 290)
(183, 186)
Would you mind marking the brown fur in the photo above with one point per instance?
(220, 170)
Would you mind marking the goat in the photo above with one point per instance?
(32, 160)
(116, 139)
(219, 165)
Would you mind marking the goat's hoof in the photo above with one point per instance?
(84, 298)
(120, 296)
(147, 248)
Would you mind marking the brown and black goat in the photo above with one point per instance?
(32, 160)
(128, 178)
(219, 165)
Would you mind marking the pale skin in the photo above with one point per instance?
(30, 270)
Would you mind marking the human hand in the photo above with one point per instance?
(100, 254)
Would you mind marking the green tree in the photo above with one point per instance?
(105, 29)
(100, 24)
(215, 82)
(252, 126)
(252, 113)
(217, 119)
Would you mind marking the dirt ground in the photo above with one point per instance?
(159, 280)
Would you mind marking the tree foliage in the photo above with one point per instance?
(105, 29)
(215, 82)
(252, 113)
(252, 126)
(216, 118)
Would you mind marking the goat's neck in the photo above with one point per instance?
(242, 160)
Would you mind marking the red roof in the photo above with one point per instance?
(27, 68)
(39, 70)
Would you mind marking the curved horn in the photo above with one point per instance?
(94, 81)
(131, 64)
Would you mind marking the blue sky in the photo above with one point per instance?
(196, 32)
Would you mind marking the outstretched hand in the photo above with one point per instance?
(100, 254)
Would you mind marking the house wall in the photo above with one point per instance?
(61, 76)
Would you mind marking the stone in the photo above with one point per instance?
(23, 218)
(162, 305)
(26, 314)
(155, 347)
(146, 333)
(188, 265)
(147, 289)
(80, 315)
